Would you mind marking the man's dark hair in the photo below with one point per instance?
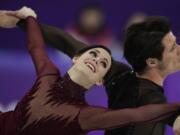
(144, 40)
(81, 51)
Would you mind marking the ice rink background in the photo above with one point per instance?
(16, 69)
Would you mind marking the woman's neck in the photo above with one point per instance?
(80, 78)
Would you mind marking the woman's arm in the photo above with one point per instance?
(93, 118)
(150, 96)
(36, 49)
(55, 37)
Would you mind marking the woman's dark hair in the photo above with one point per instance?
(144, 40)
(81, 51)
(120, 86)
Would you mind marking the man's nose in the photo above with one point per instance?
(178, 49)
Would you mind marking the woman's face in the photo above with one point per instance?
(94, 64)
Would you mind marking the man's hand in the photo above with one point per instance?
(9, 19)
(176, 126)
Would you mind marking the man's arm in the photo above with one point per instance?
(7, 21)
(58, 39)
(55, 37)
(10, 18)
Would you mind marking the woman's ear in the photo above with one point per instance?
(74, 59)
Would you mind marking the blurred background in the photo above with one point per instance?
(92, 22)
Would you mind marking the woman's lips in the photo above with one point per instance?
(91, 66)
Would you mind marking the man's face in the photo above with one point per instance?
(171, 56)
(94, 64)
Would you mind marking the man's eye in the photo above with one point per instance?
(93, 53)
(103, 64)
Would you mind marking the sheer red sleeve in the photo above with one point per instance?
(93, 118)
(36, 49)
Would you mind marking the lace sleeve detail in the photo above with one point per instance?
(93, 118)
(37, 51)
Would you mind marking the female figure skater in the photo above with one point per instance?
(56, 105)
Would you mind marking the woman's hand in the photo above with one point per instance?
(22, 13)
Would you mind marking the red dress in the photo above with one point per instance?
(56, 105)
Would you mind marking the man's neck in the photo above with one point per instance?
(153, 76)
